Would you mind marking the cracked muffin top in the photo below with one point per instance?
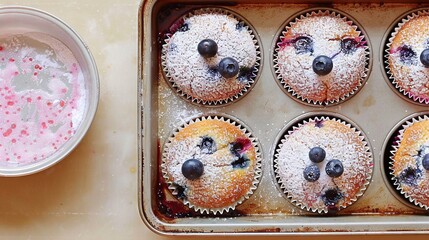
(323, 165)
(210, 56)
(410, 165)
(321, 58)
(211, 164)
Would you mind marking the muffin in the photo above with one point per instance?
(321, 57)
(211, 56)
(408, 57)
(212, 164)
(410, 162)
(323, 164)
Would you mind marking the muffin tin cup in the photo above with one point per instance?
(385, 50)
(245, 90)
(313, 117)
(257, 170)
(390, 147)
(321, 11)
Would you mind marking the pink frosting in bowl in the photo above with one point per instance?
(48, 93)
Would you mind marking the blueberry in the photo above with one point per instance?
(239, 146)
(228, 67)
(407, 55)
(424, 57)
(207, 145)
(409, 176)
(334, 168)
(213, 72)
(239, 26)
(180, 191)
(207, 48)
(183, 28)
(425, 161)
(317, 154)
(311, 173)
(241, 162)
(236, 148)
(349, 45)
(331, 197)
(245, 73)
(192, 169)
(318, 124)
(303, 44)
(322, 65)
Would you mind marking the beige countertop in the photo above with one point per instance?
(92, 194)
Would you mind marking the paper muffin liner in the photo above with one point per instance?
(393, 32)
(395, 147)
(254, 74)
(257, 169)
(311, 13)
(297, 124)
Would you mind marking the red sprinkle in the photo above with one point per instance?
(7, 133)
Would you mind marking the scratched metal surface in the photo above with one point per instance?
(376, 109)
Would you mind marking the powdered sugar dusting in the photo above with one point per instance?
(198, 77)
(340, 141)
(222, 186)
(411, 77)
(408, 156)
(326, 30)
(42, 97)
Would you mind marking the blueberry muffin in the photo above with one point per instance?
(321, 58)
(410, 162)
(323, 164)
(212, 164)
(211, 57)
(408, 57)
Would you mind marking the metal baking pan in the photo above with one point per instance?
(376, 109)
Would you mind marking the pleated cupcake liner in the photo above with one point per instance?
(297, 126)
(312, 13)
(254, 75)
(397, 27)
(257, 169)
(397, 184)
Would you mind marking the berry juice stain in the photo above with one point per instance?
(42, 97)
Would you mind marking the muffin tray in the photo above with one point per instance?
(266, 110)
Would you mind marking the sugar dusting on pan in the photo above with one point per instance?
(42, 97)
